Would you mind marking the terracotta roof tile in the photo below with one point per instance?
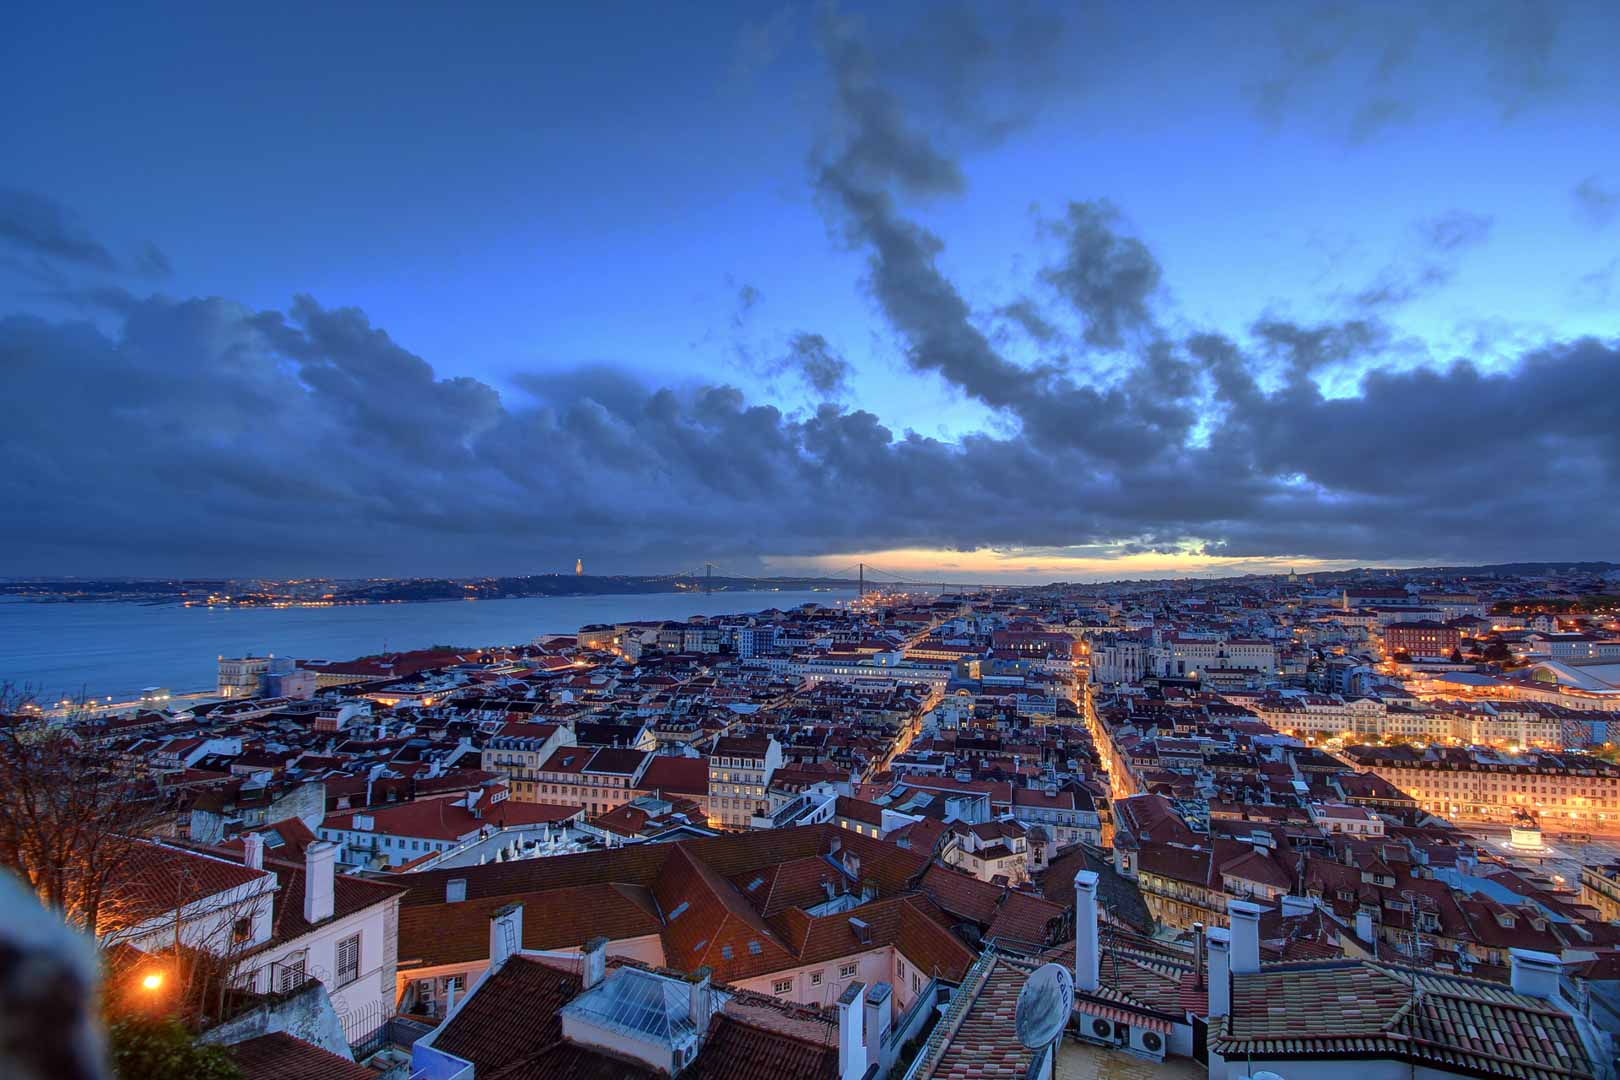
(279, 1056)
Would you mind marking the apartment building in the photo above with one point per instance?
(519, 752)
(740, 769)
(1571, 791)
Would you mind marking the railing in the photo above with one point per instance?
(934, 1047)
(915, 1020)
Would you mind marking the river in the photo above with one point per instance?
(117, 649)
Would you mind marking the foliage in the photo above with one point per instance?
(146, 1048)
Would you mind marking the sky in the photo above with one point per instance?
(1004, 291)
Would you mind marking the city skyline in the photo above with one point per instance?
(1023, 295)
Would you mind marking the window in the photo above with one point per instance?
(815, 978)
(847, 971)
(292, 974)
(348, 960)
(916, 984)
(241, 930)
(782, 986)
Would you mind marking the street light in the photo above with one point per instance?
(154, 981)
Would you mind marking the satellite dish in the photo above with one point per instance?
(1044, 1005)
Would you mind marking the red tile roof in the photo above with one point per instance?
(447, 818)
(1362, 1008)
(279, 1056)
(445, 933)
(160, 877)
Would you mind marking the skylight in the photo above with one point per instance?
(677, 911)
(754, 947)
(639, 1002)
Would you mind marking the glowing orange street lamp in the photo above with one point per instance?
(154, 981)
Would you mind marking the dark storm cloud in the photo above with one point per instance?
(814, 361)
(50, 241)
(1028, 316)
(1106, 276)
(40, 226)
(203, 436)
(1441, 243)
(1598, 202)
(1362, 69)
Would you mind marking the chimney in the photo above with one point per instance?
(1198, 956)
(319, 861)
(698, 1010)
(1086, 967)
(851, 1048)
(1245, 919)
(879, 1015)
(253, 851)
(1220, 980)
(505, 932)
(595, 961)
(1535, 974)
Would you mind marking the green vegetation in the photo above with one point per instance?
(148, 1048)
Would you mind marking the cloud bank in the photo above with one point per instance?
(156, 434)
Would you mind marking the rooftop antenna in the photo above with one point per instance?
(1044, 1005)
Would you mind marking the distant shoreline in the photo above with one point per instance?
(228, 596)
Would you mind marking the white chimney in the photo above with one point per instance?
(879, 1016)
(595, 961)
(698, 1009)
(1199, 978)
(253, 851)
(505, 932)
(1220, 981)
(851, 1047)
(1535, 974)
(320, 859)
(1086, 967)
(1245, 919)
(1364, 929)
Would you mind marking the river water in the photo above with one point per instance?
(116, 649)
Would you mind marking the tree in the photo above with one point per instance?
(160, 1048)
(67, 811)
